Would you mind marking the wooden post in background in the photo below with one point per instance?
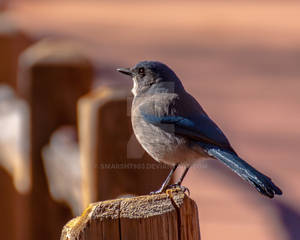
(12, 42)
(112, 161)
(14, 164)
(53, 75)
(13, 111)
(171, 215)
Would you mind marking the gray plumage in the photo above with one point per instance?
(174, 129)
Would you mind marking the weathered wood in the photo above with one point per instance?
(171, 215)
(12, 42)
(53, 75)
(112, 161)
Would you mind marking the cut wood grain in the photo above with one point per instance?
(171, 215)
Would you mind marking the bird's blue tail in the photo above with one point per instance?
(261, 182)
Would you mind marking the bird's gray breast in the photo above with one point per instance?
(163, 146)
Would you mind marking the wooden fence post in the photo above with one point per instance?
(12, 42)
(53, 75)
(10, 160)
(171, 215)
(112, 161)
(13, 173)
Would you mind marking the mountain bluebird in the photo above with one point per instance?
(174, 129)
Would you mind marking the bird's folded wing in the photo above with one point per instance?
(199, 129)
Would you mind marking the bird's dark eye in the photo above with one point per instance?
(141, 71)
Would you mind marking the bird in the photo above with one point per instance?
(175, 130)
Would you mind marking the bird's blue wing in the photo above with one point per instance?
(200, 129)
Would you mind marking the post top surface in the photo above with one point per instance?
(54, 52)
(130, 208)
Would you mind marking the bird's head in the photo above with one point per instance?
(152, 77)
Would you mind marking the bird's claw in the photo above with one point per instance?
(155, 192)
(182, 188)
(172, 186)
(159, 191)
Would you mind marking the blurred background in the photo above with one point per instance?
(60, 94)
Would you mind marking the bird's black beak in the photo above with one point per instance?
(126, 71)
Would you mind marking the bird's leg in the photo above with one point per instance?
(178, 183)
(182, 176)
(166, 182)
